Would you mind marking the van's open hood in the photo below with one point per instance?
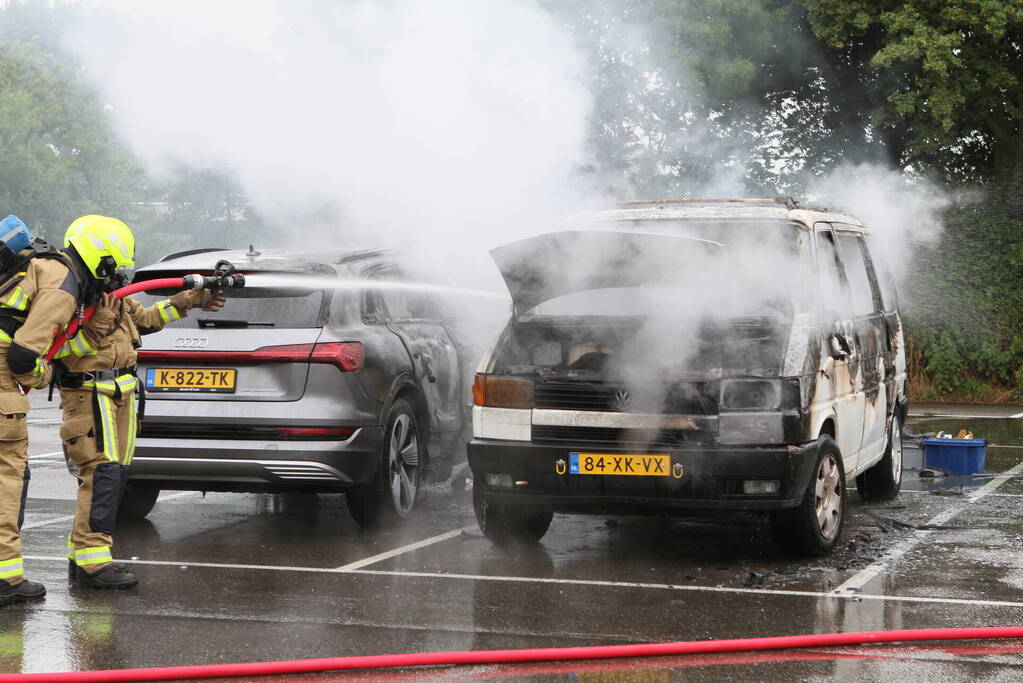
(541, 268)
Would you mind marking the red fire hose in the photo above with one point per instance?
(302, 666)
(161, 283)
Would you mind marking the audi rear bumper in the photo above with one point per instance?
(257, 466)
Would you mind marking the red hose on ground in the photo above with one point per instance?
(302, 666)
(160, 283)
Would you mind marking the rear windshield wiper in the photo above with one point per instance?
(226, 322)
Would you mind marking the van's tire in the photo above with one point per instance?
(504, 523)
(394, 490)
(137, 502)
(884, 479)
(815, 525)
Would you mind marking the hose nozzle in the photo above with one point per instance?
(224, 277)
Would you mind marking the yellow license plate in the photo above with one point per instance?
(206, 380)
(614, 463)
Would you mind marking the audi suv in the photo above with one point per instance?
(322, 374)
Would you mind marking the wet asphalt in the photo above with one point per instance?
(246, 577)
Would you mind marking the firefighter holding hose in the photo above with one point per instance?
(98, 387)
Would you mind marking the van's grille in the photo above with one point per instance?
(613, 437)
(680, 398)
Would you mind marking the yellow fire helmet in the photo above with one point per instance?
(105, 244)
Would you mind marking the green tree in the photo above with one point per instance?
(58, 156)
(945, 76)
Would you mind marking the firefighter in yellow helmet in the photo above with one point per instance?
(39, 298)
(98, 386)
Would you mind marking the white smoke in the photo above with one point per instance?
(445, 127)
(902, 211)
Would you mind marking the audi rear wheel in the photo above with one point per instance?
(394, 490)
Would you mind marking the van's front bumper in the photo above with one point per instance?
(711, 478)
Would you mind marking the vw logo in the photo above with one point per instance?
(191, 342)
(622, 399)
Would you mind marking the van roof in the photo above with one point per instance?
(742, 210)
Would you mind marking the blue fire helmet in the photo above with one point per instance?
(14, 233)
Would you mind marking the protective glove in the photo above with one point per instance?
(188, 299)
(105, 315)
(38, 378)
(214, 301)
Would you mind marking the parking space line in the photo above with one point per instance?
(684, 587)
(68, 518)
(571, 582)
(923, 416)
(857, 581)
(358, 564)
(54, 454)
(45, 522)
(204, 565)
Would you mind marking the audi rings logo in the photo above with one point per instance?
(622, 399)
(191, 343)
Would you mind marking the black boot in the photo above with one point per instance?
(20, 592)
(114, 575)
(72, 569)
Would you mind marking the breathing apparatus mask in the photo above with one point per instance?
(116, 280)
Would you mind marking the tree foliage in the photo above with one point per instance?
(58, 156)
(949, 72)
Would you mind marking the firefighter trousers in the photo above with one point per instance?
(98, 436)
(14, 476)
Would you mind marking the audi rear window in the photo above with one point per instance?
(255, 307)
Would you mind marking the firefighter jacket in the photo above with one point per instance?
(42, 304)
(109, 339)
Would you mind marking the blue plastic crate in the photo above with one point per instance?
(956, 456)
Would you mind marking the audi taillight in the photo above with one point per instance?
(502, 392)
(345, 355)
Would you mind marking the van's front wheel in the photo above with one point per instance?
(814, 526)
(507, 522)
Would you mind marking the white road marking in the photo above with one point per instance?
(68, 518)
(861, 578)
(46, 455)
(179, 494)
(927, 416)
(44, 522)
(963, 495)
(358, 564)
(568, 582)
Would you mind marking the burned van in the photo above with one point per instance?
(678, 356)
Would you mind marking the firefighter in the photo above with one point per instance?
(98, 390)
(36, 302)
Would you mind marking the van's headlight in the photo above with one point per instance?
(750, 429)
(750, 394)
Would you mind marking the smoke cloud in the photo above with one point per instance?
(904, 213)
(444, 127)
